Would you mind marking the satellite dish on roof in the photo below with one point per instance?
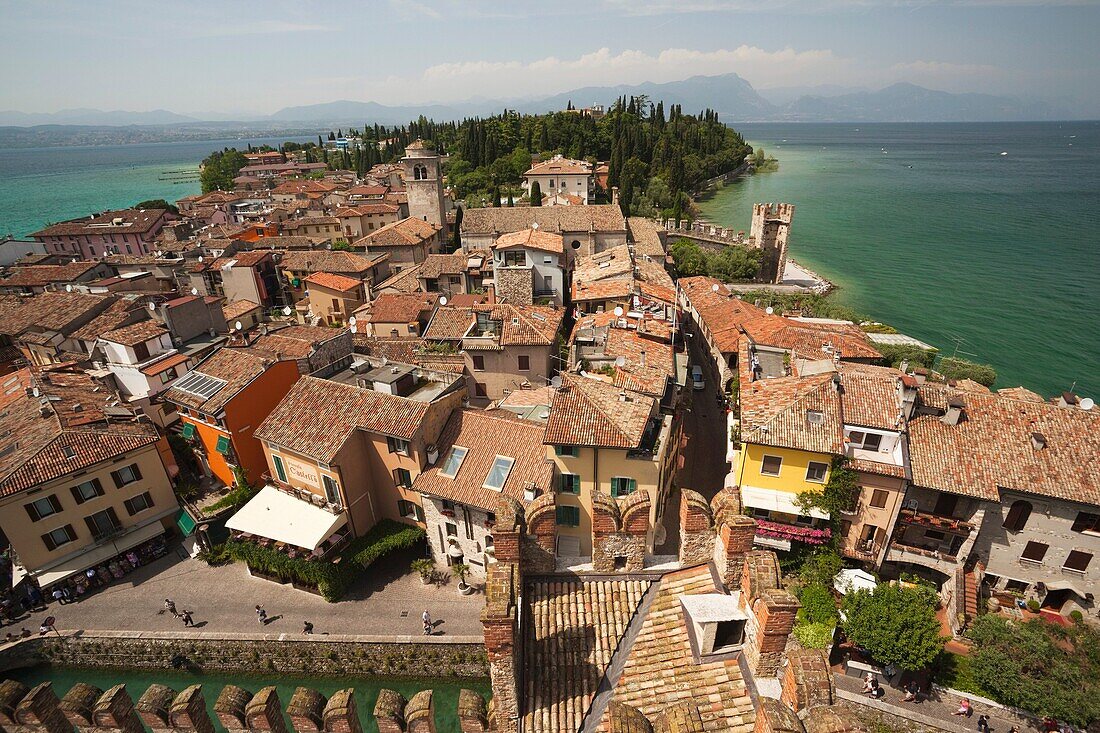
(715, 287)
(1088, 403)
(351, 321)
(194, 291)
(68, 288)
(556, 382)
(239, 326)
(354, 328)
(769, 310)
(618, 311)
(286, 310)
(443, 300)
(620, 361)
(152, 306)
(200, 258)
(535, 225)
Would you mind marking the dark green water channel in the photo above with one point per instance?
(366, 689)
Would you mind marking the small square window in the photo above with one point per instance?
(770, 465)
(569, 483)
(452, 529)
(815, 417)
(816, 471)
(878, 498)
(1034, 551)
(1077, 561)
(568, 516)
(498, 473)
(453, 461)
(569, 451)
(479, 362)
(397, 445)
(622, 486)
(524, 363)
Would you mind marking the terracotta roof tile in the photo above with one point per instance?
(137, 333)
(435, 265)
(486, 435)
(333, 282)
(556, 219)
(238, 308)
(317, 416)
(531, 238)
(322, 260)
(53, 311)
(399, 307)
(135, 221)
(777, 412)
(404, 233)
(236, 367)
(590, 412)
(404, 281)
(560, 166)
(42, 275)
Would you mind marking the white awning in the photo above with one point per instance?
(785, 502)
(850, 580)
(96, 555)
(284, 518)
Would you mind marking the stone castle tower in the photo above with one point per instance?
(424, 184)
(771, 227)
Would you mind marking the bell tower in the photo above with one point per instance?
(424, 184)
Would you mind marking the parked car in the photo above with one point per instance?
(697, 381)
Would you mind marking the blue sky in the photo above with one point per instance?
(202, 57)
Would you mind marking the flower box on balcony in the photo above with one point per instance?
(795, 532)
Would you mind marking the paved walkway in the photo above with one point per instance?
(934, 710)
(388, 601)
(704, 458)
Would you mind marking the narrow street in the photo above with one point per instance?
(703, 460)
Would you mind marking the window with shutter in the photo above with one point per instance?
(88, 490)
(43, 507)
(570, 483)
(568, 516)
(1034, 552)
(279, 470)
(59, 537)
(1018, 515)
(622, 486)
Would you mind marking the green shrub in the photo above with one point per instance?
(236, 499)
(330, 579)
(1076, 616)
(1033, 606)
(814, 636)
(216, 555)
(915, 355)
(818, 606)
(954, 368)
(820, 568)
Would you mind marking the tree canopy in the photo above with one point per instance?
(952, 367)
(1038, 666)
(156, 204)
(220, 168)
(896, 624)
(731, 264)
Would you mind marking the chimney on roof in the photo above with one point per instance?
(615, 194)
(954, 412)
(903, 367)
(921, 375)
(1038, 441)
(623, 396)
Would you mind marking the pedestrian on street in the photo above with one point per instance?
(868, 680)
(261, 615)
(983, 724)
(964, 708)
(307, 627)
(186, 616)
(58, 596)
(912, 690)
(170, 606)
(427, 619)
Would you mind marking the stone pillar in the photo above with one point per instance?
(306, 711)
(605, 525)
(696, 529)
(508, 530)
(634, 511)
(188, 712)
(540, 544)
(498, 620)
(773, 716)
(153, 707)
(731, 543)
(11, 692)
(340, 715)
(230, 708)
(807, 680)
(760, 571)
(389, 711)
(114, 712)
(78, 703)
(41, 710)
(775, 612)
(473, 715)
(420, 713)
(264, 713)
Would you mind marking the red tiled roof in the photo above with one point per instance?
(590, 412)
(531, 238)
(137, 333)
(404, 233)
(486, 435)
(333, 282)
(400, 307)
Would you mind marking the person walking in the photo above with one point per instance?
(187, 620)
(261, 615)
(307, 627)
(983, 724)
(427, 619)
(170, 606)
(912, 690)
(58, 596)
(964, 708)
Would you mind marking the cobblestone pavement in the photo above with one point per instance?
(388, 601)
(934, 711)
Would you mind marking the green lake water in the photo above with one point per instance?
(366, 690)
(929, 228)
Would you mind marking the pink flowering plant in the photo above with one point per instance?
(798, 533)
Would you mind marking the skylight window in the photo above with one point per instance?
(453, 461)
(815, 417)
(498, 474)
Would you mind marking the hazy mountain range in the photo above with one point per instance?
(733, 97)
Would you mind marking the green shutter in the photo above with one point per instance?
(279, 470)
(188, 431)
(621, 486)
(185, 522)
(223, 445)
(568, 516)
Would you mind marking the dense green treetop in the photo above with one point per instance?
(896, 625)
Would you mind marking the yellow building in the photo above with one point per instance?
(607, 440)
(83, 484)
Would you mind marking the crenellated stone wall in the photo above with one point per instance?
(86, 709)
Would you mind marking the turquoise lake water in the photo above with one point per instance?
(445, 695)
(929, 228)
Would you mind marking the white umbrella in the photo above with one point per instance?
(852, 579)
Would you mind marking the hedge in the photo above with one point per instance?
(331, 579)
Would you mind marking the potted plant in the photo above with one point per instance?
(460, 571)
(426, 569)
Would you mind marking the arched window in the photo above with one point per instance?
(1017, 515)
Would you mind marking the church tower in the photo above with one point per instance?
(424, 184)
